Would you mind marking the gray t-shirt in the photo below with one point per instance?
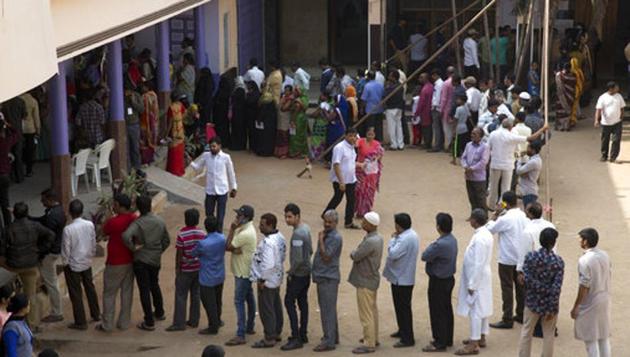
(329, 268)
(301, 251)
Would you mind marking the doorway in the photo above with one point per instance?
(348, 21)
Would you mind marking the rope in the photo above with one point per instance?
(434, 30)
(415, 73)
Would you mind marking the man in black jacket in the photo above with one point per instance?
(54, 219)
(21, 251)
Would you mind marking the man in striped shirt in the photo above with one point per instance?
(187, 273)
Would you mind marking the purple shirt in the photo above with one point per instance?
(476, 157)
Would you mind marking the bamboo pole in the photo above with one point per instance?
(527, 36)
(497, 75)
(545, 88)
(486, 28)
(437, 28)
(457, 48)
(415, 73)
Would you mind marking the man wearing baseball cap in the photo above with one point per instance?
(365, 276)
(241, 242)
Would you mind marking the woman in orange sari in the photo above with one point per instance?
(176, 162)
(576, 69)
(370, 153)
(148, 123)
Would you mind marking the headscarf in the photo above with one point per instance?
(350, 92)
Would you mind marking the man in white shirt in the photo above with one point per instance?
(474, 98)
(379, 77)
(488, 117)
(301, 78)
(509, 225)
(78, 247)
(254, 74)
(267, 271)
(503, 108)
(471, 54)
(220, 179)
(343, 176)
(531, 234)
(609, 115)
(502, 143)
(436, 115)
(419, 44)
(475, 290)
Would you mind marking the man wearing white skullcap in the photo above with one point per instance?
(365, 276)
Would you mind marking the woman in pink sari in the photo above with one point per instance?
(370, 153)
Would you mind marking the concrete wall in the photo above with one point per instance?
(228, 43)
(303, 31)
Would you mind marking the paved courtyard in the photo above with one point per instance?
(585, 193)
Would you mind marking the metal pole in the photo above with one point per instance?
(486, 28)
(457, 48)
(416, 72)
(545, 88)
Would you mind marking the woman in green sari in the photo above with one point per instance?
(298, 129)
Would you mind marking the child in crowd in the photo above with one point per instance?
(17, 337)
(462, 115)
(187, 273)
(6, 292)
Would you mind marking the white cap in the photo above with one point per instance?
(372, 218)
(525, 96)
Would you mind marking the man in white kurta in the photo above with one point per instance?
(592, 305)
(475, 290)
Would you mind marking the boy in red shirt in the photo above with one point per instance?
(118, 273)
(187, 273)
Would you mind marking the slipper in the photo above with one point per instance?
(235, 341)
(263, 344)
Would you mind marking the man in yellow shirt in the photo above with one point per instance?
(241, 242)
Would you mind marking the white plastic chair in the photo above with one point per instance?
(79, 168)
(99, 160)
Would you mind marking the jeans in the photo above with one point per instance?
(149, 287)
(509, 288)
(212, 300)
(217, 202)
(297, 291)
(133, 143)
(243, 293)
(611, 132)
(186, 282)
(338, 196)
(528, 199)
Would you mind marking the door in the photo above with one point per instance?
(348, 31)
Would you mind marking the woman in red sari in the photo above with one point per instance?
(176, 162)
(370, 153)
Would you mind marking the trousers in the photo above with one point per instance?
(441, 310)
(509, 288)
(530, 319)
(186, 284)
(478, 327)
(404, 318)
(117, 278)
(368, 315)
(498, 176)
(5, 182)
(611, 132)
(133, 143)
(297, 292)
(394, 128)
(216, 203)
(147, 278)
(29, 277)
(438, 133)
(338, 196)
(476, 194)
(327, 291)
(74, 280)
(29, 152)
(48, 272)
(270, 309)
(212, 300)
(599, 348)
(243, 293)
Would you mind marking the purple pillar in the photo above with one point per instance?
(163, 50)
(59, 105)
(115, 79)
(201, 56)
(117, 127)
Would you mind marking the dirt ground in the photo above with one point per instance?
(585, 193)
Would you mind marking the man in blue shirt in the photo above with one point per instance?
(440, 257)
(211, 253)
(371, 97)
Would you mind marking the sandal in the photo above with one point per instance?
(363, 350)
(431, 348)
(235, 341)
(263, 344)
